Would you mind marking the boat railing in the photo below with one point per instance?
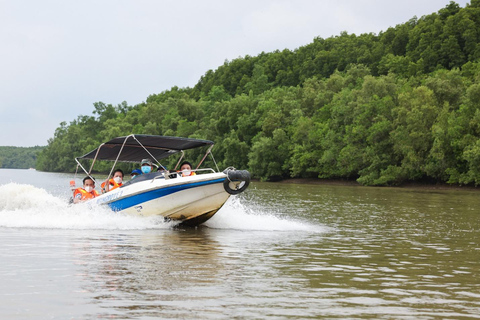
(203, 170)
(176, 174)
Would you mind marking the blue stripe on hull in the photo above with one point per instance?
(137, 199)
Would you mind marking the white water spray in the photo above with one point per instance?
(26, 206)
(235, 215)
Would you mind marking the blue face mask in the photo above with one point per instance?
(146, 169)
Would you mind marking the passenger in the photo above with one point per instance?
(146, 166)
(162, 169)
(87, 192)
(135, 172)
(186, 169)
(115, 182)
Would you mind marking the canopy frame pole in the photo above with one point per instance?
(203, 159)
(216, 165)
(179, 160)
(84, 170)
(76, 171)
(150, 153)
(94, 160)
(118, 155)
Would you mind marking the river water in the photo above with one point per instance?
(277, 251)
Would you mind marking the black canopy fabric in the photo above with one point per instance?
(159, 147)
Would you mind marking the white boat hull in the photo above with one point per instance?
(191, 200)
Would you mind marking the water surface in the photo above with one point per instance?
(277, 251)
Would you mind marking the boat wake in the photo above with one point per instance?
(235, 215)
(26, 206)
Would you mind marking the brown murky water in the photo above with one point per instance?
(278, 251)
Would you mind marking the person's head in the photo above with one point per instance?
(88, 184)
(146, 166)
(186, 165)
(162, 169)
(186, 168)
(135, 173)
(118, 176)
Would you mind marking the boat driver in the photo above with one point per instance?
(87, 192)
(146, 166)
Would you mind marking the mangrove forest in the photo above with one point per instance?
(400, 106)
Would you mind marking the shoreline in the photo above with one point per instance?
(352, 183)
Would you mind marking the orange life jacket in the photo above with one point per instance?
(112, 183)
(191, 174)
(84, 194)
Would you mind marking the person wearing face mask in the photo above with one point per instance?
(146, 166)
(87, 192)
(115, 182)
(135, 172)
(186, 169)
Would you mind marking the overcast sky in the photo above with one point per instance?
(59, 57)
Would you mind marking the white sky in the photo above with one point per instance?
(58, 57)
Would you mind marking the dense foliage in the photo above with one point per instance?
(18, 157)
(382, 109)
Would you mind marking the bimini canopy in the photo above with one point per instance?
(134, 148)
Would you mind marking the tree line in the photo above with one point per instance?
(379, 109)
(19, 157)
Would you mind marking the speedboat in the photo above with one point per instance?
(190, 200)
